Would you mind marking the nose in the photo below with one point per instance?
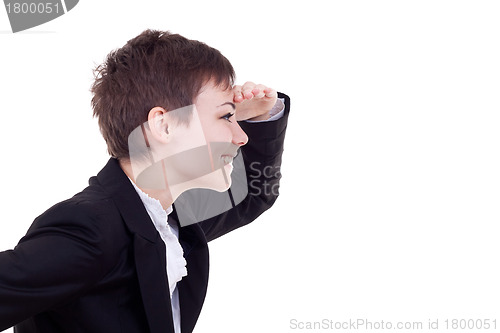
(240, 138)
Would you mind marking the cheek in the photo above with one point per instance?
(218, 132)
(186, 139)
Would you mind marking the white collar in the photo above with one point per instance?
(169, 233)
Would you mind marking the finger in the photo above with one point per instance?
(237, 94)
(258, 91)
(247, 94)
(248, 85)
(247, 90)
(270, 92)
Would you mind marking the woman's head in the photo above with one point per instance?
(154, 69)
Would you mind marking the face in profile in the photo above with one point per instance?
(175, 155)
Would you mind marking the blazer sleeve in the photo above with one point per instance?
(61, 255)
(262, 157)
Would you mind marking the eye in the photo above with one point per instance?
(227, 116)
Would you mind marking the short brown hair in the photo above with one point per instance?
(156, 68)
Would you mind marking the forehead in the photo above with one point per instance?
(214, 93)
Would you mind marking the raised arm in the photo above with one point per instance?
(262, 157)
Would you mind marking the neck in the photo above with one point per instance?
(166, 196)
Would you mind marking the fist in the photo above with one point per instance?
(253, 101)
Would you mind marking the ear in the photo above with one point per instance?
(158, 122)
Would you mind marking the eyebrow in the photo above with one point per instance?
(230, 104)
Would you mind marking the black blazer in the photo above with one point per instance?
(95, 263)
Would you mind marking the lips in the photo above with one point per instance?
(223, 153)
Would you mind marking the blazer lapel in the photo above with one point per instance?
(153, 284)
(193, 287)
(149, 250)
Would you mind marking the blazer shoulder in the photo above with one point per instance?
(90, 217)
(84, 207)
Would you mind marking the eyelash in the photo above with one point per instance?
(227, 116)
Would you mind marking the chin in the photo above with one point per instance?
(218, 180)
(223, 182)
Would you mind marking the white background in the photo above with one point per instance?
(390, 193)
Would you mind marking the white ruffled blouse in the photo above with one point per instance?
(169, 233)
